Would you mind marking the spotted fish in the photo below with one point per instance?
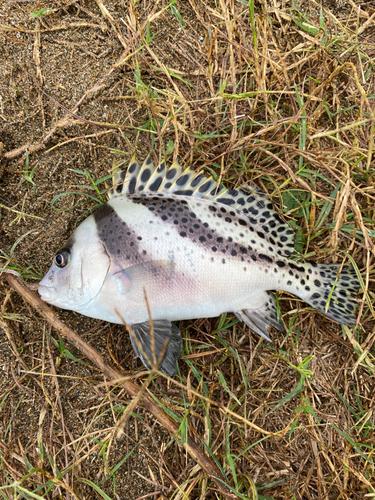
(194, 249)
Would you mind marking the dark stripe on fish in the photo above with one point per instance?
(68, 244)
(120, 241)
(176, 212)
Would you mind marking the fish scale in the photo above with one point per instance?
(186, 247)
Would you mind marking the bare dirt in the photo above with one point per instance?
(167, 95)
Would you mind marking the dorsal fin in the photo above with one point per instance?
(249, 200)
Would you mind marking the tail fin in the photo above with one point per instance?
(332, 294)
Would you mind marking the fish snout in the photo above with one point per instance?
(46, 293)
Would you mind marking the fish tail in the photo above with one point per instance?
(332, 289)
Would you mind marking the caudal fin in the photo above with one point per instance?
(332, 294)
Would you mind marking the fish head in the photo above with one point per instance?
(78, 272)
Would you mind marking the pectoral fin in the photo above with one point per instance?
(262, 317)
(162, 330)
(151, 276)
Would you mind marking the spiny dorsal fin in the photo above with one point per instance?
(148, 179)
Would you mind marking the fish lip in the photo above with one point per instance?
(45, 292)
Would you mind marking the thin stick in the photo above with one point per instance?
(131, 388)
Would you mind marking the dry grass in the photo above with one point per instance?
(280, 93)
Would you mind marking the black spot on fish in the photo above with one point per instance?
(280, 263)
(146, 174)
(317, 283)
(171, 173)
(265, 257)
(161, 167)
(204, 187)
(132, 167)
(182, 180)
(131, 185)
(227, 201)
(197, 180)
(156, 184)
(296, 268)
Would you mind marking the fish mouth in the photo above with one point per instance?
(46, 293)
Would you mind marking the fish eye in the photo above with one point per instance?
(61, 258)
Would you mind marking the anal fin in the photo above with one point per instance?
(162, 330)
(262, 317)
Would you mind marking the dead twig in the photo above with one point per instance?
(133, 389)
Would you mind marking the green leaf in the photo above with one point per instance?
(41, 12)
(225, 386)
(95, 487)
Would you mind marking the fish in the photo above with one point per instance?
(173, 244)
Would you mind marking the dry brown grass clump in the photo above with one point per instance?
(280, 93)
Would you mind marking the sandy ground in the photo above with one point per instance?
(108, 65)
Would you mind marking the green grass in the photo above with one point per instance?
(281, 97)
